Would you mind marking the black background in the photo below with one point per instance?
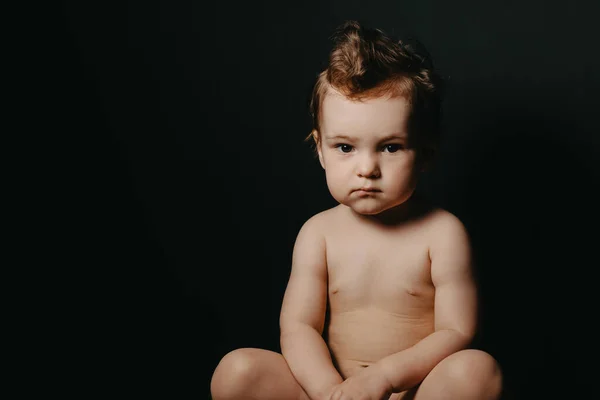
(187, 178)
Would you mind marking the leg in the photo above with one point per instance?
(465, 375)
(254, 374)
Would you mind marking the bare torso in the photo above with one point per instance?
(380, 293)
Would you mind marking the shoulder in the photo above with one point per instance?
(447, 233)
(318, 223)
(311, 238)
(444, 221)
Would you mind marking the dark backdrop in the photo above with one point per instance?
(191, 179)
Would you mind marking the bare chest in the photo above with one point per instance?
(390, 272)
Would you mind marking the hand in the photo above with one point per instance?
(365, 385)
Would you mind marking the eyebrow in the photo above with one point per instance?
(383, 139)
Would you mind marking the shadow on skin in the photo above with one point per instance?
(528, 196)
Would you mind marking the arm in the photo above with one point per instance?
(455, 309)
(303, 315)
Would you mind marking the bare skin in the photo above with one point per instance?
(380, 289)
(381, 303)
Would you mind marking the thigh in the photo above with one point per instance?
(467, 374)
(251, 373)
(406, 395)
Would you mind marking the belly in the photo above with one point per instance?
(361, 337)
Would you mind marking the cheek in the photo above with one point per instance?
(337, 180)
(334, 168)
(401, 172)
(335, 176)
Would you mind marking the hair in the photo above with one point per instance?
(365, 63)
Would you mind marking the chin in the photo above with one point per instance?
(364, 209)
(369, 212)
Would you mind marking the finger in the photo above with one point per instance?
(339, 395)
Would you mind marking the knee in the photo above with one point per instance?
(233, 375)
(475, 374)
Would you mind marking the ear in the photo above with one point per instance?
(317, 140)
(320, 153)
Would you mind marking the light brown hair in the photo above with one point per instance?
(365, 63)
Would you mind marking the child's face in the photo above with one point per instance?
(365, 145)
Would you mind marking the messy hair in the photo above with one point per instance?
(365, 63)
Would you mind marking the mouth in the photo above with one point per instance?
(367, 190)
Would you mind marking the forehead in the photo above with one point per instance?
(356, 117)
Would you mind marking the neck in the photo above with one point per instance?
(414, 206)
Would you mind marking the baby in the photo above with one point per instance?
(381, 301)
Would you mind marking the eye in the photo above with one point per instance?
(344, 148)
(393, 147)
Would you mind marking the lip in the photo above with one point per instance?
(368, 190)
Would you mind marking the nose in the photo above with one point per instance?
(368, 166)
